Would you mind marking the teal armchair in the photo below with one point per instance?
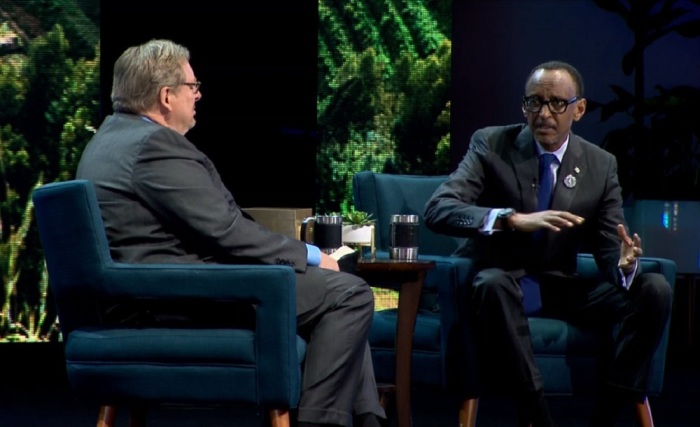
(118, 365)
(443, 358)
(444, 354)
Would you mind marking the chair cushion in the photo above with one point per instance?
(162, 345)
(565, 354)
(427, 358)
(166, 345)
(554, 336)
(168, 365)
(425, 338)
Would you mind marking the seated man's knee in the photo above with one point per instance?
(492, 281)
(654, 289)
(359, 291)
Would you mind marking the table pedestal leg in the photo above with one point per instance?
(409, 298)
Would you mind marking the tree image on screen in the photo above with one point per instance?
(658, 154)
(383, 92)
(49, 96)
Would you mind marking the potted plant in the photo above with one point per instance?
(358, 229)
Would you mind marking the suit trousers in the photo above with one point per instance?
(338, 376)
(637, 317)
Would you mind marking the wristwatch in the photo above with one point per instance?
(503, 216)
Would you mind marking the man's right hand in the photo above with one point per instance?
(551, 220)
(328, 262)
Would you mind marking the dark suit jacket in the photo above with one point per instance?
(163, 201)
(500, 170)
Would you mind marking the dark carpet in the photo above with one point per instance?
(33, 392)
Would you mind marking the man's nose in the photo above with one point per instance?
(545, 111)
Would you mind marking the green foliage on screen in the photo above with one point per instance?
(383, 96)
(383, 105)
(49, 110)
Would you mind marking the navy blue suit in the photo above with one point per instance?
(500, 170)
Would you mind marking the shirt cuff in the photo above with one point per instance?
(313, 255)
(490, 221)
(627, 279)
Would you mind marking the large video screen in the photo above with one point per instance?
(384, 76)
(49, 109)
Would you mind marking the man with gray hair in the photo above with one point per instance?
(163, 201)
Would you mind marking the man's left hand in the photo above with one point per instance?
(630, 249)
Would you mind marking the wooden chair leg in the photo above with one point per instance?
(644, 413)
(467, 413)
(107, 416)
(279, 418)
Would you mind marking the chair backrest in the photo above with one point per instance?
(68, 212)
(384, 195)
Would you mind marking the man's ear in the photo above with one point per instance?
(164, 95)
(580, 109)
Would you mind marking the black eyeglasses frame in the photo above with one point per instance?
(193, 85)
(548, 103)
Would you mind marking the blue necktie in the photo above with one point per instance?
(544, 195)
(532, 300)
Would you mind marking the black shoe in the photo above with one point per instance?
(316, 425)
(363, 420)
(533, 410)
(609, 405)
(368, 420)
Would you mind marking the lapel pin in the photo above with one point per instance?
(570, 181)
(577, 170)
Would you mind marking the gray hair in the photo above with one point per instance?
(141, 71)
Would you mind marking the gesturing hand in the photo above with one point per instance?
(552, 220)
(630, 249)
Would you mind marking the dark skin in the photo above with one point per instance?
(551, 131)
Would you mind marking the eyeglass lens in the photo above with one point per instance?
(194, 86)
(534, 104)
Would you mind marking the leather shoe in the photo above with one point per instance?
(368, 420)
(533, 410)
(610, 403)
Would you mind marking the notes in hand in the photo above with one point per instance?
(341, 252)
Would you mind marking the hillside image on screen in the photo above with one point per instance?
(49, 109)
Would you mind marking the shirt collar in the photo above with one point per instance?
(559, 153)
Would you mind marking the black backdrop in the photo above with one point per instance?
(257, 63)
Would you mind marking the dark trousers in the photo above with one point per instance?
(334, 314)
(636, 316)
(338, 378)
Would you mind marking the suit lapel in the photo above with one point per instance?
(525, 163)
(569, 176)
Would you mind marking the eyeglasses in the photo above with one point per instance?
(534, 104)
(194, 86)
